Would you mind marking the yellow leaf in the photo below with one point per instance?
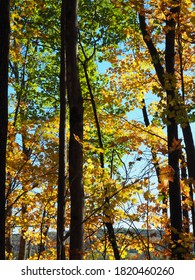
(192, 19)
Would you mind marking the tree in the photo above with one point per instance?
(164, 23)
(75, 101)
(168, 82)
(62, 141)
(28, 52)
(4, 52)
(109, 222)
(172, 133)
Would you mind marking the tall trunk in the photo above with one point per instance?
(4, 53)
(190, 153)
(76, 131)
(62, 143)
(172, 131)
(168, 83)
(21, 97)
(109, 224)
(187, 132)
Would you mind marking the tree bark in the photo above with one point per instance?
(4, 53)
(172, 132)
(62, 142)
(190, 153)
(109, 224)
(168, 82)
(76, 132)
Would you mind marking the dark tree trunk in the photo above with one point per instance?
(109, 224)
(76, 132)
(187, 134)
(190, 153)
(4, 53)
(172, 131)
(168, 83)
(62, 144)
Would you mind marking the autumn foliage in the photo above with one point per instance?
(134, 139)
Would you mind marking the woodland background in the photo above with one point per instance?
(96, 129)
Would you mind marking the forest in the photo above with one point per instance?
(97, 112)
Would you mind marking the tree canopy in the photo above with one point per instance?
(100, 158)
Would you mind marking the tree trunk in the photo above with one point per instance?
(168, 83)
(172, 132)
(4, 53)
(187, 134)
(76, 132)
(190, 153)
(109, 224)
(62, 144)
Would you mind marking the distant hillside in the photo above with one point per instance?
(31, 249)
